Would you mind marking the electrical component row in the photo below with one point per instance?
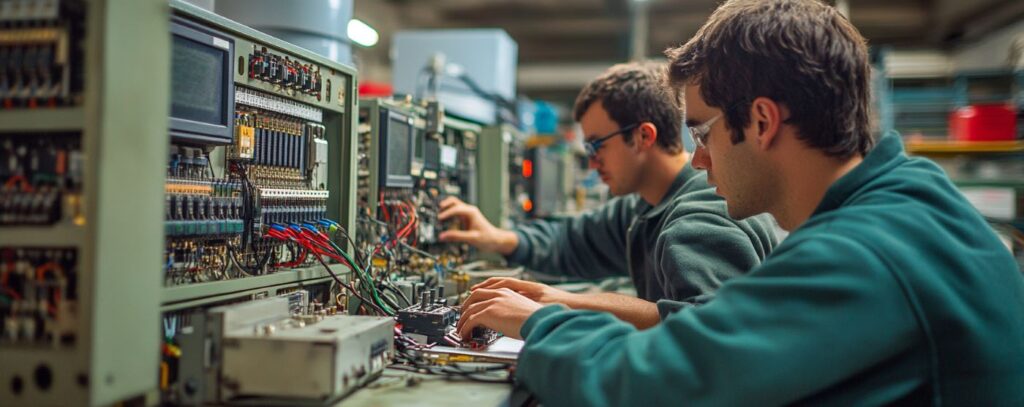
(262, 100)
(41, 177)
(274, 140)
(289, 74)
(41, 50)
(38, 289)
(292, 206)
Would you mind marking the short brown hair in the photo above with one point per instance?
(634, 93)
(802, 54)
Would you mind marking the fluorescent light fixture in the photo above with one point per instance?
(361, 33)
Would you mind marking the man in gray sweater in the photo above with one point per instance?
(666, 229)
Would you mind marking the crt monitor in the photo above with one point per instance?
(202, 89)
(432, 155)
(396, 149)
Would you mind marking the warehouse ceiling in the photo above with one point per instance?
(590, 34)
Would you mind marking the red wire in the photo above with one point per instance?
(54, 268)
(300, 260)
(384, 208)
(25, 186)
(310, 245)
(415, 225)
(405, 229)
(414, 220)
(12, 293)
(408, 228)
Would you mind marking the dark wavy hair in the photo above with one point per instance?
(634, 93)
(802, 54)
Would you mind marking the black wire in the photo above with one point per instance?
(338, 280)
(234, 257)
(390, 303)
(250, 206)
(418, 251)
(418, 365)
(355, 249)
(247, 214)
(367, 218)
(209, 163)
(398, 293)
(433, 370)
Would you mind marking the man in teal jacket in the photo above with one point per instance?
(890, 289)
(667, 229)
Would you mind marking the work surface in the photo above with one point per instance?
(407, 389)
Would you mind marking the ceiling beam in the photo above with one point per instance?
(547, 76)
(546, 27)
(896, 17)
(950, 16)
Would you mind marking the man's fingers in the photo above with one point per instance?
(480, 315)
(484, 294)
(459, 236)
(449, 201)
(467, 324)
(489, 283)
(470, 310)
(452, 211)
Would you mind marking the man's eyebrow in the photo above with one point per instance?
(693, 122)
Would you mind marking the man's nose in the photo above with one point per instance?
(701, 159)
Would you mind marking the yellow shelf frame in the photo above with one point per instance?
(945, 147)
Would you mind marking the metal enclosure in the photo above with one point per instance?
(338, 104)
(317, 360)
(119, 234)
(121, 118)
(499, 187)
(371, 112)
(486, 56)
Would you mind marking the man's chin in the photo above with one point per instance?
(736, 212)
(615, 191)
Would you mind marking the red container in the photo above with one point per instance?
(374, 89)
(983, 123)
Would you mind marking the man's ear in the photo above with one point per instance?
(766, 118)
(648, 135)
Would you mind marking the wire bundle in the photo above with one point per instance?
(313, 241)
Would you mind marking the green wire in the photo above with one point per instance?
(362, 275)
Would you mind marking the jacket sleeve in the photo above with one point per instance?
(818, 312)
(590, 246)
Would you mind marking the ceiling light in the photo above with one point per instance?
(361, 33)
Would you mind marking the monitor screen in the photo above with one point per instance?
(196, 82)
(418, 140)
(202, 86)
(432, 155)
(399, 140)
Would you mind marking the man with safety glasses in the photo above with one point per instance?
(666, 229)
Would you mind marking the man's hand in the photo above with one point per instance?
(538, 292)
(641, 313)
(478, 231)
(501, 310)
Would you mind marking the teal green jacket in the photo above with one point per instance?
(682, 249)
(894, 291)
